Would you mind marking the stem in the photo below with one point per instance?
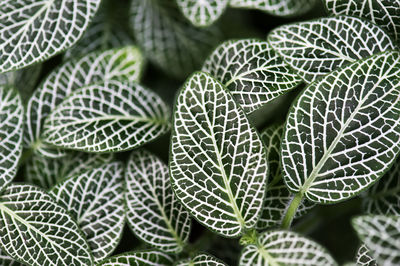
(291, 211)
(249, 238)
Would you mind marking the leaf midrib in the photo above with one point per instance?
(264, 253)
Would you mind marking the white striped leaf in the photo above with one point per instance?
(384, 13)
(139, 258)
(315, 48)
(343, 131)
(153, 212)
(202, 13)
(6, 260)
(283, 8)
(252, 71)
(11, 129)
(167, 39)
(33, 30)
(35, 230)
(201, 260)
(97, 67)
(217, 161)
(381, 235)
(95, 199)
(108, 117)
(364, 257)
(285, 248)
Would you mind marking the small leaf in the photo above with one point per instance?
(252, 71)
(154, 213)
(37, 231)
(202, 13)
(364, 258)
(139, 258)
(285, 248)
(315, 48)
(381, 235)
(217, 161)
(95, 199)
(201, 260)
(109, 117)
(33, 30)
(343, 131)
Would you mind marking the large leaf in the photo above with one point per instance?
(139, 258)
(167, 39)
(343, 131)
(153, 212)
(202, 13)
(34, 30)
(285, 248)
(95, 199)
(364, 257)
(97, 67)
(381, 235)
(11, 129)
(384, 13)
(37, 231)
(315, 48)
(107, 117)
(252, 71)
(217, 160)
(201, 260)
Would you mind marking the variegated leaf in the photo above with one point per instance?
(33, 30)
(37, 231)
(217, 161)
(201, 260)
(343, 131)
(252, 71)
(285, 248)
(153, 212)
(315, 48)
(107, 117)
(364, 257)
(95, 199)
(139, 258)
(202, 13)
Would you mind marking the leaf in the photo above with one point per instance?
(138, 258)
(6, 260)
(252, 71)
(46, 172)
(381, 235)
(108, 117)
(384, 13)
(11, 117)
(153, 212)
(97, 67)
(202, 13)
(32, 31)
(95, 199)
(201, 260)
(217, 161)
(167, 39)
(37, 231)
(342, 132)
(285, 248)
(364, 258)
(282, 8)
(315, 48)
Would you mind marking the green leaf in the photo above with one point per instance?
(11, 129)
(31, 31)
(381, 235)
(384, 13)
(364, 257)
(46, 172)
(97, 67)
(108, 117)
(6, 260)
(282, 8)
(285, 248)
(153, 212)
(252, 71)
(37, 231)
(202, 13)
(343, 131)
(95, 199)
(315, 48)
(217, 161)
(139, 258)
(167, 39)
(201, 260)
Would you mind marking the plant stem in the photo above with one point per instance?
(291, 210)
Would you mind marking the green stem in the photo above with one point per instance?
(249, 238)
(291, 211)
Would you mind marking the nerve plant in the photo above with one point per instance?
(232, 182)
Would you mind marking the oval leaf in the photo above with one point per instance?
(202, 13)
(217, 160)
(201, 260)
(343, 131)
(37, 231)
(109, 117)
(139, 258)
(364, 258)
(252, 71)
(317, 47)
